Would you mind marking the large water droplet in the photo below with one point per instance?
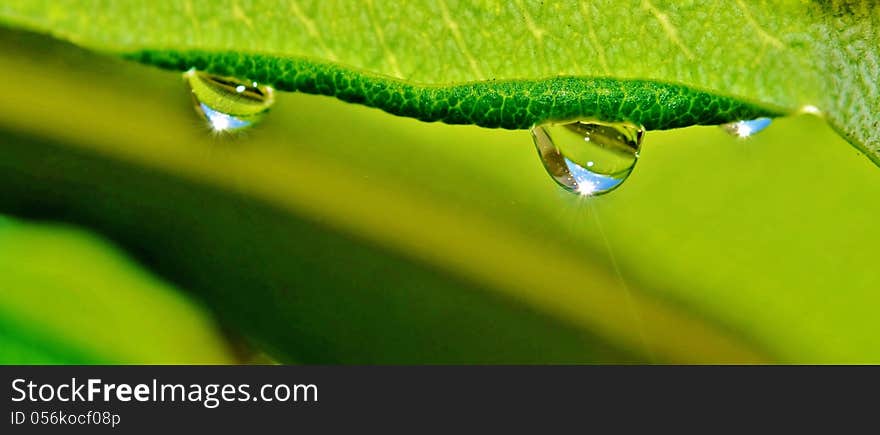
(587, 157)
(746, 128)
(228, 104)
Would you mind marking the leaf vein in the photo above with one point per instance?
(668, 27)
(311, 29)
(380, 36)
(765, 36)
(459, 40)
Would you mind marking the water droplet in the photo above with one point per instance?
(587, 157)
(811, 109)
(227, 103)
(746, 128)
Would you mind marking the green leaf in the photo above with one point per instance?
(333, 233)
(70, 298)
(662, 64)
(313, 258)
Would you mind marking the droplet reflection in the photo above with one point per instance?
(586, 157)
(228, 104)
(746, 128)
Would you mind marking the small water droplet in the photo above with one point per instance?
(227, 103)
(746, 128)
(811, 109)
(609, 151)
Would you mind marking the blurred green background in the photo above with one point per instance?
(334, 233)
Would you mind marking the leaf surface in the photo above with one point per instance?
(662, 64)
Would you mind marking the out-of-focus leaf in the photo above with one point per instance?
(68, 297)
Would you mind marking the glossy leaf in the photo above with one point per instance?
(662, 64)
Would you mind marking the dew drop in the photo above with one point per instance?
(228, 104)
(811, 110)
(586, 157)
(746, 128)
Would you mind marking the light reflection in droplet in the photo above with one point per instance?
(228, 104)
(746, 128)
(588, 158)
